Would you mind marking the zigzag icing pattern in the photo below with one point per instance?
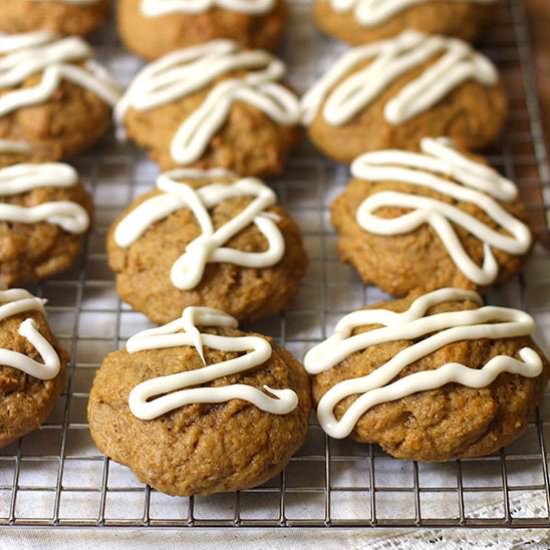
(22, 55)
(342, 95)
(429, 333)
(188, 270)
(473, 183)
(22, 178)
(187, 71)
(14, 302)
(156, 397)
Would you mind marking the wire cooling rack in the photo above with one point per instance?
(56, 477)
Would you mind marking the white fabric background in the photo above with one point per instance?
(303, 539)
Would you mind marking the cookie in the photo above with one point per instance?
(44, 214)
(360, 21)
(32, 374)
(213, 106)
(55, 101)
(432, 377)
(62, 17)
(153, 28)
(236, 431)
(206, 239)
(390, 94)
(412, 221)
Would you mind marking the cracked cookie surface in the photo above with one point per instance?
(198, 449)
(143, 270)
(153, 37)
(26, 401)
(54, 16)
(452, 421)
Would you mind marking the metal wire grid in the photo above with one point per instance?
(56, 477)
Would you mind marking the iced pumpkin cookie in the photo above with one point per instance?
(44, 214)
(360, 21)
(213, 106)
(198, 407)
(54, 99)
(153, 28)
(63, 17)
(206, 239)
(410, 221)
(32, 365)
(432, 377)
(392, 93)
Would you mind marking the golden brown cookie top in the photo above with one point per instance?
(468, 226)
(54, 99)
(361, 21)
(224, 242)
(410, 221)
(153, 28)
(406, 87)
(33, 364)
(44, 213)
(250, 392)
(364, 72)
(429, 377)
(63, 17)
(213, 105)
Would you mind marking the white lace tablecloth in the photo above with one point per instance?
(289, 539)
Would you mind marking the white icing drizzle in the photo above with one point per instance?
(370, 13)
(476, 184)
(13, 147)
(26, 54)
(14, 302)
(175, 389)
(187, 71)
(188, 270)
(21, 178)
(437, 330)
(155, 8)
(346, 95)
